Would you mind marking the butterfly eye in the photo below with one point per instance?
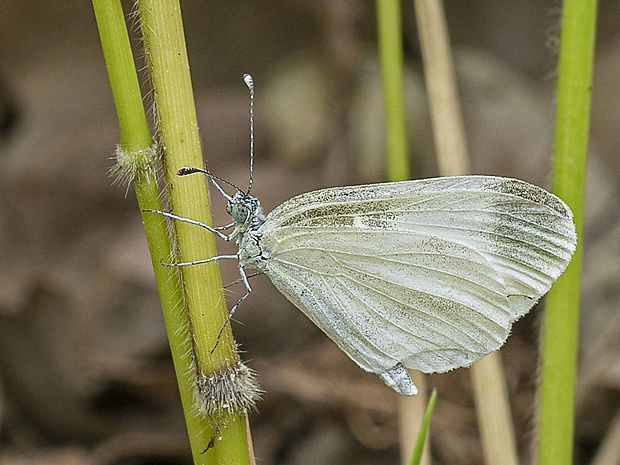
(239, 211)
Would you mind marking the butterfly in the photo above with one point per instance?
(426, 274)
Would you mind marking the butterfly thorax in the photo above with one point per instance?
(251, 253)
(248, 214)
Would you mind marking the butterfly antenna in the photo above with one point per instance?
(189, 170)
(250, 83)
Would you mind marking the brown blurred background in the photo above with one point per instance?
(85, 374)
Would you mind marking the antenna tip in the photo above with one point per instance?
(188, 170)
(248, 81)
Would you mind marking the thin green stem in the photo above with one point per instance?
(391, 52)
(416, 456)
(559, 347)
(134, 129)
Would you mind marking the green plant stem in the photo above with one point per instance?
(167, 60)
(559, 346)
(391, 51)
(135, 142)
(416, 456)
(134, 129)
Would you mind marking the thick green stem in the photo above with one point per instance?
(167, 60)
(557, 396)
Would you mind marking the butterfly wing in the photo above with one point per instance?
(429, 274)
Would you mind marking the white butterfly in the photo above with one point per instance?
(427, 274)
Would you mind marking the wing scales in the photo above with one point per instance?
(406, 294)
(524, 231)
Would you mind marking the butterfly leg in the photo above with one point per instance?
(240, 280)
(226, 226)
(215, 231)
(204, 260)
(231, 312)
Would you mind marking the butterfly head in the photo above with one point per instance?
(245, 210)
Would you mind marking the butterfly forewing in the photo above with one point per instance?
(427, 273)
